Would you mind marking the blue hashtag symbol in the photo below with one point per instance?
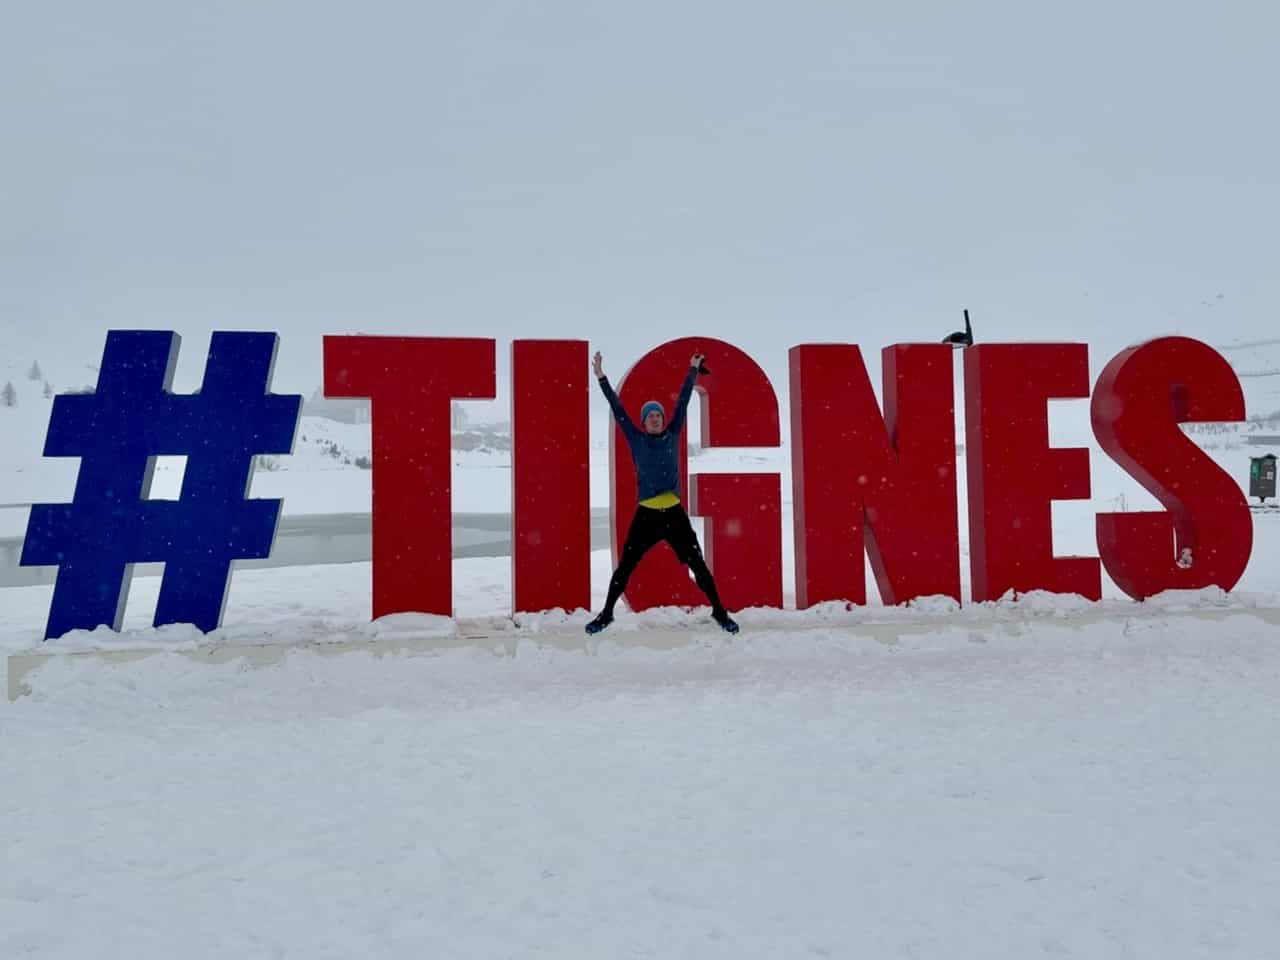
(117, 432)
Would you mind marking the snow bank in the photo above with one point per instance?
(1097, 790)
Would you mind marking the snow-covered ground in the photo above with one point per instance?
(1038, 784)
(1041, 778)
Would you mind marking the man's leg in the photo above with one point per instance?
(644, 532)
(684, 541)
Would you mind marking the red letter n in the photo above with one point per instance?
(863, 481)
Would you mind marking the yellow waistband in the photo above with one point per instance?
(661, 502)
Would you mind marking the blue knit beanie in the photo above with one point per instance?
(649, 407)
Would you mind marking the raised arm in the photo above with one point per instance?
(619, 411)
(686, 393)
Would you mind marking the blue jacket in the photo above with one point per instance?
(655, 455)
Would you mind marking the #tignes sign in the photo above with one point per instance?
(870, 480)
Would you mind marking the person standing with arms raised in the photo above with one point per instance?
(659, 515)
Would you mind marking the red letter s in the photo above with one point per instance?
(1141, 397)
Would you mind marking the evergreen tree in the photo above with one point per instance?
(9, 395)
(34, 373)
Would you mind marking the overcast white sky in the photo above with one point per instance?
(770, 174)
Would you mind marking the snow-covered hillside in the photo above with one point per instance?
(1257, 364)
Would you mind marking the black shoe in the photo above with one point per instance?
(599, 623)
(727, 623)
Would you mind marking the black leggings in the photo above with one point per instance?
(648, 528)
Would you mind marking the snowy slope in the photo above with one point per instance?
(1257, 364)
